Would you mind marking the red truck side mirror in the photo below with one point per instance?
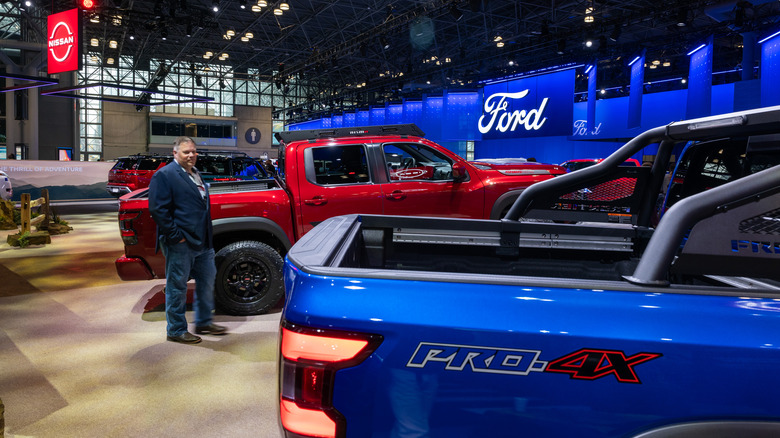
(459, 172)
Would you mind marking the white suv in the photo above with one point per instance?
(5, 186)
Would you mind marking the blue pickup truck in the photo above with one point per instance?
(578, 314)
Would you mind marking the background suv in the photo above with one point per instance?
(135, 171)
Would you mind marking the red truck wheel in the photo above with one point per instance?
(249, 278)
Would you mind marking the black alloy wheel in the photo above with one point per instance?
(249, 278)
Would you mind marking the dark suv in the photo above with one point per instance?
(135, 171)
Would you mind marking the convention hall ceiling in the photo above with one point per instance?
(414, 46)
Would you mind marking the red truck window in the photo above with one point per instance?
(340, 165)
(407, 162)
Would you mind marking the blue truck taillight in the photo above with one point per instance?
(309, 361)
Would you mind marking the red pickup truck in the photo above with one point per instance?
(389, 170)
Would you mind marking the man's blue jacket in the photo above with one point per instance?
(178, 208)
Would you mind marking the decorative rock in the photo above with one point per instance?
(36, 238)
(7, 215)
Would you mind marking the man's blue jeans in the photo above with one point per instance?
(181, 262)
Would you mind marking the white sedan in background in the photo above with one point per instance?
(5, 186)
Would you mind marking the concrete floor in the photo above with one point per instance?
(83, 354)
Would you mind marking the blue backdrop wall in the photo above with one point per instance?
(452, 120)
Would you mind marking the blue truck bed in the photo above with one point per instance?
(430, 327)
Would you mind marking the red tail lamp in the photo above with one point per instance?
(310, 359)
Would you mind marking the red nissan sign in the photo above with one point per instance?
(64, 41)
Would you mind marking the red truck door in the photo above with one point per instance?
(420, 183)
(334, 180)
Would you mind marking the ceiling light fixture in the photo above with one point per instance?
(588, 14)
(215, 5)
(112, 44)
(256, 8)
(667, 64)
(110, 61)
(94, 42)
(245, 38)
(284, 6)
(262, 3)
(278, 11)
(500, 44)
(230, 32)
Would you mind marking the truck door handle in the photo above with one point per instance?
(396, 195)
(316, 201)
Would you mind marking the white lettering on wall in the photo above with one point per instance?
(581, 128)
(496, 110)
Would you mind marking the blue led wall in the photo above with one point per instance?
(455, 118)
(770, 71)
(700, 82)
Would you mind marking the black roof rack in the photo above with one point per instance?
(219, 152)
(355, 131)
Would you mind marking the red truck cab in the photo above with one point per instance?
(391, 170)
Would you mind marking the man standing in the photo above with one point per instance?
(179, 204)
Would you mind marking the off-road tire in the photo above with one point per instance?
(249, 278)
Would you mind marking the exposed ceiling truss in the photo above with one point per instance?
(382, 49)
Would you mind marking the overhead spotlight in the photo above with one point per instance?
(230, 32)
(249, 35)
(110, 61)
(131, 33)
(385, 44)
(683, 81)
(561, 46)
(284, 6)
(616, 31)
(198, 81)
(242, 4)
(682, 17)
(588, 43)
(456, 13)
(262, 3)
(221, 83)
(164, 34)
(603, 91)
(112, 44)
(667, 64)
(256, 8)
(215, 5)
(189, 28)
(500, 44)
(94, 42)
(245, 39)
(278, 11)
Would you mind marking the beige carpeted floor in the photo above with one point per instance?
(83, 354)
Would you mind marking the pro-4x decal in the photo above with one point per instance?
(585, 364)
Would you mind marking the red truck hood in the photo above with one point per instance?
(518, 166)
